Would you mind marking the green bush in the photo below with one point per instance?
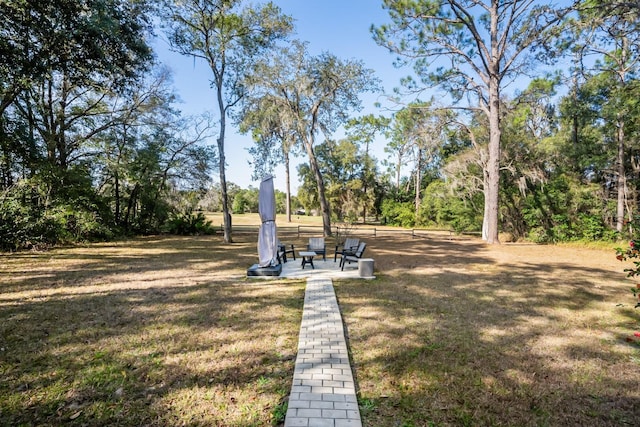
(539, 235)
(593, 228)
(563, 228)
(34, 216)
(189, 224)
(442, 208)
(239, 204)
(397, 213)
(566, 210)
(16, 223)
(632, 252)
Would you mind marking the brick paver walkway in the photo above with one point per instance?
(323, 391)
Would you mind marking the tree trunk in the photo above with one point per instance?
(418, 179)
(223, 191)
(223, 177)
(324, 205)
(485, 215)
(116, 175)
(493, 172)
(61, 125)
(5, 155)
(116, 195)
(622, 176)
(365, 200)
(131, 206)
(365, 181)
(493, 164)
(398, 164)
(493, 167)
(287, 173)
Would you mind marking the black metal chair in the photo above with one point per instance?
(348, 247)
(283, 251)
(355, 257)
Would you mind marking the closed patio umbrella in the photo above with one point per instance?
(267, 236)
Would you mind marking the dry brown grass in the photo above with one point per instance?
(154, 331)
(460, 333)
(168, 331)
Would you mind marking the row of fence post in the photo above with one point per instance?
(312, 229)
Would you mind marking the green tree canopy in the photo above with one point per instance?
(229, 35)
(314, 94)
(485, 45)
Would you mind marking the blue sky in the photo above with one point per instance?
(339, 27)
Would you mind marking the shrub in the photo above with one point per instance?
(16, 223)
(33, 215)
(188, 224)
(632, 252)
(592, 227)
(443, 208)
(397, 213)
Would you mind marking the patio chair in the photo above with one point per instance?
(317, 245)
(283, 251)
(348, 247)
(355, 257)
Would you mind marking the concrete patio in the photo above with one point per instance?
(326, 269)
(321, 269)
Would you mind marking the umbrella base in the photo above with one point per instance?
(256, 270)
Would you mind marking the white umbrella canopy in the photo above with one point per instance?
(267, 236)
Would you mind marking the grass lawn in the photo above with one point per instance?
(165, 331)
(158, 331)
(457, 333)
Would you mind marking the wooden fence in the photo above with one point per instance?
(359, 231)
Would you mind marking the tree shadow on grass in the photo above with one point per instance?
(475, 339)
(82, 266)
(186, 349)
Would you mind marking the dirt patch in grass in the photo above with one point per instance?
(455, 332)
(155, 331)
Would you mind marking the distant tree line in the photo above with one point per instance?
(553, 161)
(242, 200)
